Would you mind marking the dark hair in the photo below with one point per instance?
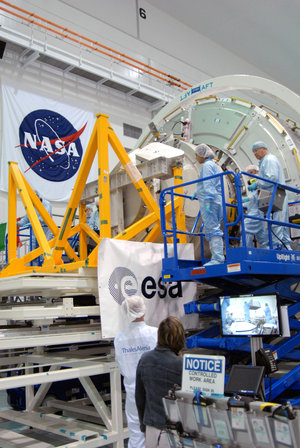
(171, 334)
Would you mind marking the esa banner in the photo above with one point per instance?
(46, 138)
(127, 268)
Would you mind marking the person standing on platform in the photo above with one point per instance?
(130, 344)
(270, 169)
(253, 227)
(209, 194)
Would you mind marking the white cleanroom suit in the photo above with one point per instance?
(130, 344)
(270, 168)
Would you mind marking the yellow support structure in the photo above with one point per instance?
(180, 214)
(30, 201)
(102, 136)
(103, 176)
(12, 219)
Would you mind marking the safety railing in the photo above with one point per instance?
(26, 241)
(232, 205)
(272, 188)
(25, 238)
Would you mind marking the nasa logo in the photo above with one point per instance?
(50, 145)
(123, 283)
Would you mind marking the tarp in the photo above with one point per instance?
(127, 268)
(47, 138)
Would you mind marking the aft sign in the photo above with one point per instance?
(203, 373)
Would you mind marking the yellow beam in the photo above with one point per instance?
(30, 201)
(180, 214)
(12, 217)
(133, 173)
(76, 196)
(103, 176)
(82, 235)
(40, 208)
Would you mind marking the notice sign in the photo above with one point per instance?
(203, 373)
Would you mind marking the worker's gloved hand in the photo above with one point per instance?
(245, 199)
(208, 208)
(194, 196)
(252, 187)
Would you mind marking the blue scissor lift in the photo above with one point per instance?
(245, 271)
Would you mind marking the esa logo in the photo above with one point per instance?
(123, 283)
(50, 145)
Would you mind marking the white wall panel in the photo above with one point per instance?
(188, 46)
(119, 14)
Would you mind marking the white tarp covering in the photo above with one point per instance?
(126, 268)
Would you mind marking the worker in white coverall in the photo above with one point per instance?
(270, 168)
(130, 344)
(253, 227)
(209, 194)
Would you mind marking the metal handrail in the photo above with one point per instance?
(173, 232)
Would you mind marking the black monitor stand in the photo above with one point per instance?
(256, 343)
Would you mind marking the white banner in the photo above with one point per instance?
(126, 268)
(47, 138)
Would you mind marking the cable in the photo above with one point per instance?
(276, 236)
(176, 122)
(279, 239)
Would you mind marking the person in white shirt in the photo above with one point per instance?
(130, 344)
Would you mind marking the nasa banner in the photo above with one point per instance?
(46, 138)
(126, 268)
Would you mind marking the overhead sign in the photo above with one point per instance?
(203, 373)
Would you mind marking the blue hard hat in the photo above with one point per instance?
(259, 144)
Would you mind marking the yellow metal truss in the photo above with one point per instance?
(53, 250)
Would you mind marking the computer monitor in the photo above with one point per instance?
(252, 315)
(245, 380)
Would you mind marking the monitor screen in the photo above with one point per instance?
(245, 380)
(253, 315)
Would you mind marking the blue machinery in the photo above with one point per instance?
(245, 271)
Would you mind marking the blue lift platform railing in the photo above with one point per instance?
(246, 270)
(27, 235)
(240, 259)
